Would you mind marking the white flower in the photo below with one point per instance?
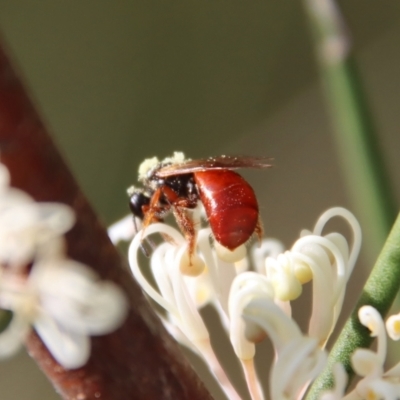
(252, 305)
(124, 229)
(65, 302)
(26, 227)
(393, 326)
(375, 383)
(62, 299)
(299, 359)
(183, 319)
(325, 259)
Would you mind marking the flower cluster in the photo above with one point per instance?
(252, 304)
(63, 300)
(374, 382)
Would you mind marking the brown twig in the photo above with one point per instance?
(139, 360)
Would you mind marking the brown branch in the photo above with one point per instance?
(139, 360)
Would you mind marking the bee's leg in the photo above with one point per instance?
(152, 214)
(179, 206)
(152, 210)
(259, 231)
(187, 227)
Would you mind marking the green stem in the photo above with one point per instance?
(379, 292)
(358, 144)
(361, 157)
(367, 180)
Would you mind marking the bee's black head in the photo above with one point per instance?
(137, 200)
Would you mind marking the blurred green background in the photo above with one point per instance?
(119, 81)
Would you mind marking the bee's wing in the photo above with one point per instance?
(214, 163)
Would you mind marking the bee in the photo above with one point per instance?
(176, 185)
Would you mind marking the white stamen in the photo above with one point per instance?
(371, 318)
(124, 229)
(299, 362)
(268, 248)
(137, 273)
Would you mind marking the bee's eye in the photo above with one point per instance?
(136, 202)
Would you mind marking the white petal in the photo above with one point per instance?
(73, 295)
(280, 328)
(12, 337)
(393, 327)
(371, 318)
(299, 362)
(16, 249)
(4, 177)
(174, 330)
(71, 350)
(221, 273)
(200, 289)
(159, 269)
(24, 225)
(268, 248)
(378, 389)
(124, 229)
(355, 226)
(366, 362)
(322, 317)
(192, 323)
(102, 313)
(11, 201)
(135, 268)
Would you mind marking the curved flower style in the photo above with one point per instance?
(183, 319)
(62, 299)
(299, 359)
(375, 383)
(324, 259)
(251, 304)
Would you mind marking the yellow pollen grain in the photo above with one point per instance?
(201, 296)
(371, 326)
(396, 326)
(371, 395)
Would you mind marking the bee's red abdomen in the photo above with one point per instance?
(230, 204)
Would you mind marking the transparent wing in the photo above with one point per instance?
(214, 163)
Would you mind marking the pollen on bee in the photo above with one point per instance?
(130, 190)
(177, 158)
(146, 166)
